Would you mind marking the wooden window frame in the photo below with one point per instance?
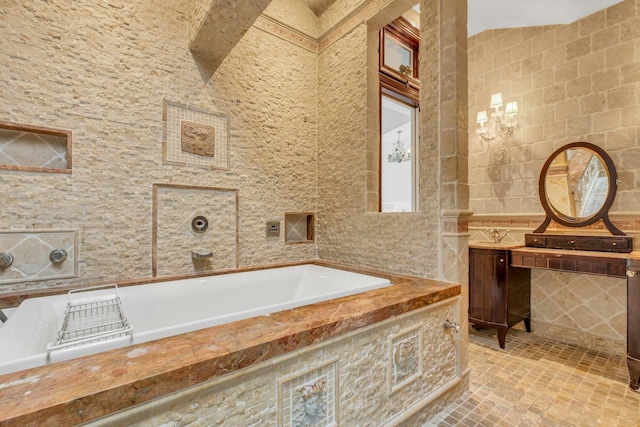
(403, 88)
(407, 36)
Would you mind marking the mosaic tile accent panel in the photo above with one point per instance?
(31, 250)
(405, 363)
(178, 117)
(25, 147)
(175, 209)
(308, 398)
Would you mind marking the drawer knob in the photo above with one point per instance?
(614, 244)
(631, 273)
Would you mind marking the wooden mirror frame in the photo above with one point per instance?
(602, 213)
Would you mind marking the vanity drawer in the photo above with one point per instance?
(617, 245)
(561, 242)
(533, 241)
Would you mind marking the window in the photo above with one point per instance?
(399, 97)
(399, 135)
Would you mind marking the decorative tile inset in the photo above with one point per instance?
(309, 398)
(405, 363)
(194, 137)
(31, 252)
(198, 139)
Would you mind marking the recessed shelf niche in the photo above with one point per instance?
(299, 227)
(34, 148)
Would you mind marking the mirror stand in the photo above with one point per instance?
(578, 186)
(605, 219)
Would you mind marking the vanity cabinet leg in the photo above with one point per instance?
(502, 335)
(634, 372)
(527, 324)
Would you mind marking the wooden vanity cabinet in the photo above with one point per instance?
(633, 323)
(499, 294)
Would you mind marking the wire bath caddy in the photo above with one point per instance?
(91, 319)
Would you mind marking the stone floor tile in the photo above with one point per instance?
(536, 381)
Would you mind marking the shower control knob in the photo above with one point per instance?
(6, 259)
(199, 224)
(631, 273)
(57, 256)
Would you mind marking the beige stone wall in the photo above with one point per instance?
(198, 10)
(105, 78)
(577, 82)
(351, 230)
(363, 384)
(347, 232)
(281, 100)
(295, 14)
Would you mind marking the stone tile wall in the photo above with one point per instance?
(576, 82)
(301, 97)
(105, 79)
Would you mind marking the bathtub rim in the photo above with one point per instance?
(193, 359)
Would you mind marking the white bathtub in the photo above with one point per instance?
(164, 309)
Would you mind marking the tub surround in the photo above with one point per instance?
(97, 385)
(137, 314)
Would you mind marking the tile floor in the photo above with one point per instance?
(536, 381)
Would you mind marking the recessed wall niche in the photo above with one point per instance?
(34, 148)
(299, 227)
(194, 137)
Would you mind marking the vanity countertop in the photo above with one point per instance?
(475, 244)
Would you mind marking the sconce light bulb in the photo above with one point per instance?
(511, 108)
(482, 117)
(496, 100)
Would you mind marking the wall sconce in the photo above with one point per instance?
(501, 125)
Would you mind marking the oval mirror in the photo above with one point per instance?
(577, 186)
